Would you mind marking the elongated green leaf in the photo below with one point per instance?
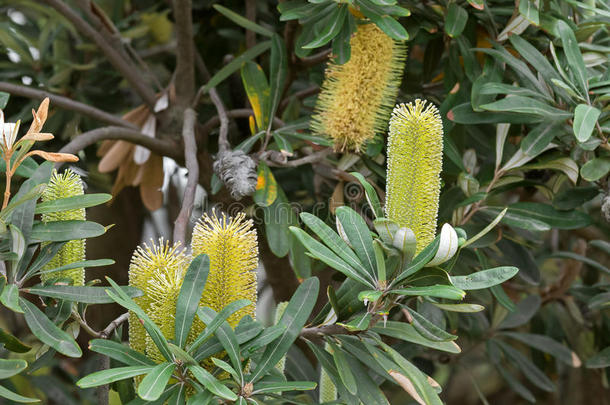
(279, 386)
(48, 332)
(427, 329)
(59, 231)
(10, 298)
(245, 332)
(359, 236)
(242, 21)
(114, 374)
(321, 252)
(406, 332)
(277, 74)
(487, 229)
(419, 261)
(71, 203)
(330, 27)
(13, 344)
(526, 105)
(153, 384)
(83, 263)
(11, 367)
(599, 360)
(340, 359)
(484, 278)
(595, 169)
(455, 20)
(528, 9)
(385, 22)
(371, 195)
(466, 308)
(11, 396)
(211, 383)
(526, 309)
(547, 345)
(294, 317)
(236, 64)
(533, 373)
(438, 291)
(218, 319)
(573, 55)
(87, 295)
(266, 186)
(585, 118)
(119, 352)
(189, 297)
(539, 138)
(267, 336)
(257, 90)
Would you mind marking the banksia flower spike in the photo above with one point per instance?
(158, 270)
(357, 97)
(415, 151)
(66, 184)
(230, 243)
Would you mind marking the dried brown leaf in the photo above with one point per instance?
(54, 157)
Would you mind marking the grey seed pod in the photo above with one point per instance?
(237, 171)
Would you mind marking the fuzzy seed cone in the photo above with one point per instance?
(415, 152)
(157, 270)
(66, 184)
(230, 243)
(357, 97)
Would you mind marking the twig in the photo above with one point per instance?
(92, 332)
(158, 146)
(124, 66)
(105, 334)
(313, 158)
(318, 332)
(299, 95)
(185, 72)
(190, 154)
(213, 122)
(314, 59)
(250, 15)
(65, 102)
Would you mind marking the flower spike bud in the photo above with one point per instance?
(415, 152)
(231, 245)
(66, 184)
(158, 270)
(357, 97)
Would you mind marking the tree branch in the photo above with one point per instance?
(185, 71)
(127, 69)
(105, 334)
(158, 146)
(190, 154)
(318, 332)
(66, 103)
(250, 15)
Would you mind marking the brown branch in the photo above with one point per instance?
(129, 72)
(314, 59)
(213, 122)
(190, 154)
(158, 146)
(299, 95)
(66, 103)
(313, 158)
(318, 332)
(105, 334)
(185, 72)
(250, 15)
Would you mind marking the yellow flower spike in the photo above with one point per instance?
(231, 244)
(357, 97)
(66, 184)
(157, 270)
(415, 152)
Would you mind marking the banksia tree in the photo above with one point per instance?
(231, 245)
(66, 184)
(357, 97)
(158, 270)
(415, 150)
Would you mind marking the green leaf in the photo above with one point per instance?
(465, 308)
(340, 359)
(278, 71)
(487, 229)
(114, 374)
(153, 384)
(11, 396)
(484, 278)
(419, 261)
(547, 345)
(13, 344)
(528, 368)
(119, 352)
(48, 332)
(267, 336)
(279, 216)
(575, 197)
(211, 383)
(189, 297)
(359, 237)
(11, 367)
(526, 105)
(455, 20)
(72, 203)
(599, 360)
(10, 298)
(581, 258)
(245, 331)
(595, 168)
(437, 291)
(585, 118)
(428, 329)
(541, 217)
(371, 195)
(515, 385)
(526, 309)
(76, 265)
(385, 22)
(266, 186)
(257, 90)
(408, 333)
(294, 318)
(330, 27)
(539, 138)
(179, 397)
(321, 252)
(4, 99)
(280, 386)
(528, 9)
(236, 64)
(87, 295)
(573, 55)
(242, 21)
(212, 325)
(59, 231)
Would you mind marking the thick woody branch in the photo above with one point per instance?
(319, 332)
(185, 72)
(190, 154)
(159, 146)
(66, 103)
(105, 334)
(129, 72)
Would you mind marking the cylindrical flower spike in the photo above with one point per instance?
(415, 152)
(231, 245)
(357, 97)
(66, 184)
(158, 270)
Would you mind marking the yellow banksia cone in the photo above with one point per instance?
(66, 184)
(357, 97)
(158, 270)
(231, 245)
(415, 151)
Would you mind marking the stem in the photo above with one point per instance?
(9, 176)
